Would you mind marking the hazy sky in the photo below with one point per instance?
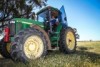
(83, 15)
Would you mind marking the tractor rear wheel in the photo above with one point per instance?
(67, 41)
(28, 44)
(4, 49)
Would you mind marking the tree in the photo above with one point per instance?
(20, 8)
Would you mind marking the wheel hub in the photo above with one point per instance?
(70, 40)
(33, 47)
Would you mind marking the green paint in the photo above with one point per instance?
(23, 23)
(28, 21)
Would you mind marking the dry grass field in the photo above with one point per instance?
(87, 55)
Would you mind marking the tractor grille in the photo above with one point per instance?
(12, 29)
(19, 27)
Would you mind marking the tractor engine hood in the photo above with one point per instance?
(28, 22)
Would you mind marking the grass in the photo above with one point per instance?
(87, 55)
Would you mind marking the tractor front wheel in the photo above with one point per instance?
(28, 44)
(5, 49)
(67, 41)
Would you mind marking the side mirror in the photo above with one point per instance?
(2, 15)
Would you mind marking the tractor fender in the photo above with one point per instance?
(45, 34)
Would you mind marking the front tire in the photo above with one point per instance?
(28, 44)
(4, 49)
(67, 41)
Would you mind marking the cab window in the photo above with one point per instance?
(42, 17)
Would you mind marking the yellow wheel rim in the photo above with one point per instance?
(8, 45)
(70, 40)
(33, 47)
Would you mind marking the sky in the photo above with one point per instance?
(84, 15)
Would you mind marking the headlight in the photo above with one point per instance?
(12, 21)
(1, 15)
(2, 34)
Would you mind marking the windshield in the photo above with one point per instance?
(42, 17)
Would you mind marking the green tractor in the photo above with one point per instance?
(25, 39)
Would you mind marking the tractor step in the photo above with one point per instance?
(54, 43)
(54, 38)
(56, 33)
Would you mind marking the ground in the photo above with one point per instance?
(87, 55)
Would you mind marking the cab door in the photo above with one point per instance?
(63, 17)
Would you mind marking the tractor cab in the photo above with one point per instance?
(53, 30)
(45, 16)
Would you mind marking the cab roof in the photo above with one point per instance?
(47, 8)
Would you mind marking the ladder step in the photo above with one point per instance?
(54, 38)
(56, 32)
(54, 42)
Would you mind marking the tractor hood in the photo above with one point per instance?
(28, 22)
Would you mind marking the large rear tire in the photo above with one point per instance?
(28, 44)
(4, 49)
(67, 41)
